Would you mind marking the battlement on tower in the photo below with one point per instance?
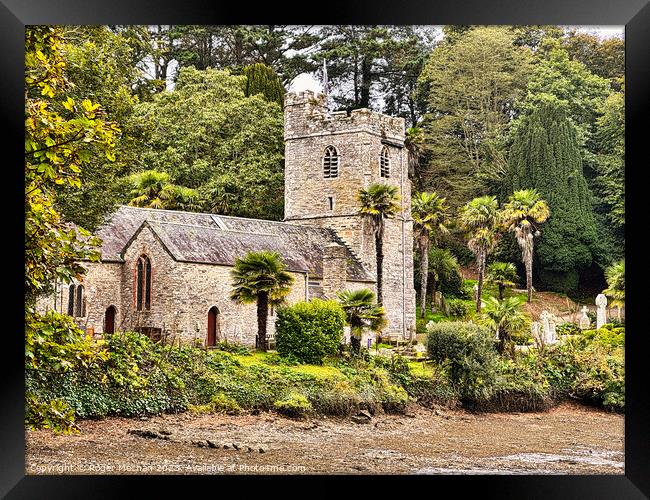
(306, 115)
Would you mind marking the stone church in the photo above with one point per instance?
(167, 273)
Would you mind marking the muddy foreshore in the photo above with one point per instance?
(568, 439)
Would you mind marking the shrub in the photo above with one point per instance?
(294, 405)
(470, 352)
(457, 309)
(224, 403)
(310, 331)
(568, 329)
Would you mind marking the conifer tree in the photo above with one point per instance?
(545, 155)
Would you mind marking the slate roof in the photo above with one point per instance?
(218, 239)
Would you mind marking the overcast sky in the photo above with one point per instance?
(308, 81)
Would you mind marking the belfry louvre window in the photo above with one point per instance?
(143, 284)
(384, 163)
(330, 162)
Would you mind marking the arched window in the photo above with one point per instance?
(71, 300)
(384, 162)
(143, 284)
(330, 162)
(76, 302)
(79, 306)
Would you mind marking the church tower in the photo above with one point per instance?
(329, 157)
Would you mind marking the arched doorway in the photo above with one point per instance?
(109, 320)
(213, 327)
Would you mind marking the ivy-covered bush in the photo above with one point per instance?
(309, 331)
(469, 351)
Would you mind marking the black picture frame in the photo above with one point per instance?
(634, 14)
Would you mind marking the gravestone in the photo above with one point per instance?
(585, 322)
(551, 335)
(601, 310)
(475, 289)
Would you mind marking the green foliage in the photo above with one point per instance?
(504, 318)
(589, 367)
(545, 155)
(151, 189)
(470, 353)
(101, 65)
(309, 331)
(471, 84)
(262, 79)
(502, 274)
(457, 309)
(294, 405)
(361, 311)
(615, 275)
(61, 135)
(209, 136)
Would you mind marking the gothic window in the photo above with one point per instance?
(79, 306)
(330, 162)
(384, 162)
(143, 284)
(76, 302)
(71, 300)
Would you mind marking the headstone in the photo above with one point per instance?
(475, 292)
(601, 310)
(551, 336)
(585, 322)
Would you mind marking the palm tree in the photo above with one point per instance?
(503, 274)
(153, 189)
(378, 202)
(615, 276)
(429, 213)
(524, 210)
(503, 317)
(260, 277)
(479, 217)
(442, 265)
(361, 312)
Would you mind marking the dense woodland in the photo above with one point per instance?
(190, 118)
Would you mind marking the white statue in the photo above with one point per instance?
(601, 310)
(585, 322)
(546, 327)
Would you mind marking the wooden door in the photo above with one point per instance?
(109, 320)
(213, 326)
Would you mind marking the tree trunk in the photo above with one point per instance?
(262, 317)
(356, 332)
(379, 248)
(424, 275)
(502, 288)
(481, 272)
(529, 274)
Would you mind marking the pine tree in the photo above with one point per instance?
(545, 156)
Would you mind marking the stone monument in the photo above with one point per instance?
(601, 310)
(585, 322)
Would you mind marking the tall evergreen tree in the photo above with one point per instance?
(545, 156)
(262, 79)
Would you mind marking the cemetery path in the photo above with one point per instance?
(568, 439)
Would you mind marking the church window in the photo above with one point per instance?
(330, 202)
(143, 284)
(76, 302)
(384, 162)
(331, 162)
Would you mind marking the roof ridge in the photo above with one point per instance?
(215, 228)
